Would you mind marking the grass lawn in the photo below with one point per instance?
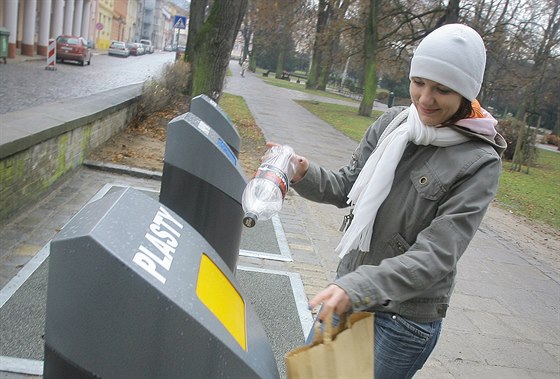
(535, 195)
(252, 139)
(301, 87)
(342, 117)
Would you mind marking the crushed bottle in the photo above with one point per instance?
(264, 195)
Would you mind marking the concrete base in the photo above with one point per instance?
(42, 50)
(28, 50)
(12, 49)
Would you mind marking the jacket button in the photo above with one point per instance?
(423, 180)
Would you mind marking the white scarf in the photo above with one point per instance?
(376, 178)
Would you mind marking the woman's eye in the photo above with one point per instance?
(444, 90)
(418, 82)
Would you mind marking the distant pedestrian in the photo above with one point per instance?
(244, 67)
(420, 182)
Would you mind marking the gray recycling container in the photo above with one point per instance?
(135, 292)
(203, 184)
(208, 111)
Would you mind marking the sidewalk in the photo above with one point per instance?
(504, 317)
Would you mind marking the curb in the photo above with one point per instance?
(122, 169)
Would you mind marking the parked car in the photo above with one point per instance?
(148, 46)
(135, 48)
(118, 48)
(72, 48)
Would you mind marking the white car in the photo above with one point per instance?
(148, 46)
(118, 48)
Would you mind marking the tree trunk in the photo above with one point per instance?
(332, 46)
(247, 36)
(316, 60)
(327, 63)
(370, 51)
(286, 29)
(451, 15)
(556, 129)
(281, 59)
(212, 47)
(195, 23)
(517, 160)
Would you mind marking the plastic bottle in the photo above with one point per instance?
(264, 194)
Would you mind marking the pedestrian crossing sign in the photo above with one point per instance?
(180, 22)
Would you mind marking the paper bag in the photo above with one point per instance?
(346, 353)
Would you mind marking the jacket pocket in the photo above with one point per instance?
(350, 262)
(398, 244)
(429, 191)
(427, 183)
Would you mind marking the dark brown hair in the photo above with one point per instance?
(464, 111)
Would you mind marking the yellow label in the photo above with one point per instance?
(215, 291)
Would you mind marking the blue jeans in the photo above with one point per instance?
(402, 346)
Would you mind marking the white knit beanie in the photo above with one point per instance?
(452, 55)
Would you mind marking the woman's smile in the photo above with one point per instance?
(435, 103)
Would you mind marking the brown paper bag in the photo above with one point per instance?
(343, 353)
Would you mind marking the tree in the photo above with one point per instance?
(322, 18)
(263, 19)
(288, 11)
(522, 40)
(403, 27)
(247, 33)
(210, 43)
(331, 22)
(542, 56)
(279, 31)
(337, 24)
(370, 53)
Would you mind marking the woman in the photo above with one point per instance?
(420, 182)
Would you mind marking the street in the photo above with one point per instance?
(28, 84)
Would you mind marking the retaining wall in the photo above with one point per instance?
(40, 146)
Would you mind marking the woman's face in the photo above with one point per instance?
(435, 102)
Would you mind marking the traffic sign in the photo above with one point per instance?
(180, 22)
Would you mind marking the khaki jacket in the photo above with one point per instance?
(438, 199)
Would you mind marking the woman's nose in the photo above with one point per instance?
(426, 97)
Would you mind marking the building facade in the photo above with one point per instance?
(31, 23)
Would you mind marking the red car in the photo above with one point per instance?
(71, 48)
(135, 48)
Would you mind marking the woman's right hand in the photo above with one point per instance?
(301, 163)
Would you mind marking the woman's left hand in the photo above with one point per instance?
(334, 299)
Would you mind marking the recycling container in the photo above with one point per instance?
(211, 113)
(203, 184)
(134, 291)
